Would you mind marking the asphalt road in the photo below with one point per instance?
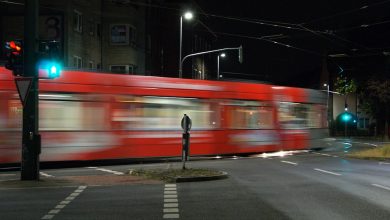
(305, 185)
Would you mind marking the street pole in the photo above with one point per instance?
(218, 67)
(31, 138)
(181, 39)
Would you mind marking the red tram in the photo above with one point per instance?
(94, 116)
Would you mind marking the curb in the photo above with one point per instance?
(223, 175)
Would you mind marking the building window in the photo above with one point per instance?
(77, 21)
(119, 34)
(124, 69)
(77, 62)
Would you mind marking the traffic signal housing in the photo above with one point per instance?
(14, 50)
(50, 58)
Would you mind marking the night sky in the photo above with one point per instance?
(285, 42)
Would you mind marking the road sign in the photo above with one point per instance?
(23, 85)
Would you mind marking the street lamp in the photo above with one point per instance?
(188, 16)
(220, 55)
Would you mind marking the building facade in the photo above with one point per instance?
(96, 35)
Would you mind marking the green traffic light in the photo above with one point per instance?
(54, 70)
(346, 117)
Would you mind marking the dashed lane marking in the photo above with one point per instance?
(328, 172)
(171, 204)
(327, 155)
(107, 170)
(289, 162)
(45, 174)
(51, 214)
(380, 186)
(385, 163)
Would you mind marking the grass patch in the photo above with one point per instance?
(170, 175)
(380, 153)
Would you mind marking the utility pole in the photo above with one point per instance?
(31, 145)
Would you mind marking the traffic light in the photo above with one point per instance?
(346, 117)
(50, 58)
(54, 70)
(51, 68)
(14, 57)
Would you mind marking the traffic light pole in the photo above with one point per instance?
(31, 139)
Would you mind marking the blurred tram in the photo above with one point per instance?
(96, 116)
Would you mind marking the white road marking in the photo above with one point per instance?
(171, 204)
(328, 172)
(47, 217)
(174, 210)
(382, 187)
(54, 211)
(384, 163)
(335, 156)
(171, 216)
(375, 145)
(69, 198)
(170, 189)
(74, 194)
(107, 170)
(60, 206)
(63, 203)
(170, 200)
(289, 162)
(45, 174)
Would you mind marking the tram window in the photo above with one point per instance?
(15, 114)
(67, 115)
(163, 113)
(298, 115)
(250, 115)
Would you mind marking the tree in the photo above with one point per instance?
(345, 86)
(376, 93)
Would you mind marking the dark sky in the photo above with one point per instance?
(296, 35)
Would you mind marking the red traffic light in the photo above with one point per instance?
(15, 46)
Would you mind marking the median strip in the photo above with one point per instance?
(328, 172)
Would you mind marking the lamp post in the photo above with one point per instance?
(188, 16)
(219, 55)
(327, 102)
